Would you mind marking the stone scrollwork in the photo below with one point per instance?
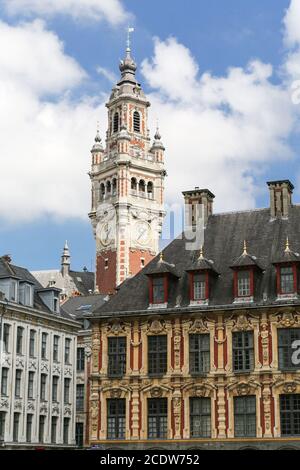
(156, 326)
(4, 403)
(290, 387)
(199, 326)
(115, 393)
(242, 322)
(156, 392)
(287, 319)
(116, 328)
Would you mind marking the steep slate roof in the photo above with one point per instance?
(224, 238)
(77, 307)
(81, 281)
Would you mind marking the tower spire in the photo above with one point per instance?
(130, 30)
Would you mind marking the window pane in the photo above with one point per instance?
(116, 356)
(116, 419)
(245, 416)
(286, 337)
(158, 284)
(244, 284)
(199, 353)
(287, 280)
(157, 418)
(200, 417)
(157, 355)
(290, 415)
(243, 350)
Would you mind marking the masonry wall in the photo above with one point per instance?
(266, 382)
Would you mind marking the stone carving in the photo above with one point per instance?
(290, 387)
(264, 334)
(199, 391)
(88, 351)
(116, 328)
(177, 347)
(68, 411)
(56, 369)
(96, 350)
(177, 416)
(156, 326)
(32, 365)
(199, 326)
(44, 367)
(288, 319)
(267, 411)
(242, 323)
(4, 403)
(156, 392)
(18, 405)
(94, 416)
(19, 362)
(115, 393)
(243, 389)
(43, 408)
(30, 406)
(68, 372)
(55, 409)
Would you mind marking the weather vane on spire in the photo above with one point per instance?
(129, 32)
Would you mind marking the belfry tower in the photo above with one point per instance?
(127, 179)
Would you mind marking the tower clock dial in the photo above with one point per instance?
(106, 234)
(142, 233)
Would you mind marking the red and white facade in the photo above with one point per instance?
(127, 186)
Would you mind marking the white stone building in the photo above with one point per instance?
(37, 363)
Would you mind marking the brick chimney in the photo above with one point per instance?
(198, 205)
(280, 198)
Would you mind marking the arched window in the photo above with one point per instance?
(114, 186)
(102, 191)
(108, 187)
(116, 122)
(150, 190)
(136, 121)
(142, 186)
(133, 184)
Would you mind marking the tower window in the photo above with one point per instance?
(244, 287)
(142, 186)
(136, 121)
(102, 191)
(108, 187)
(114, 186)
(116, 122)
(150, 190)
(133, 184)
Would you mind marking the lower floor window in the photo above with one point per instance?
(41, 428)
(79, 434)
(2, 425)
(290, 415)
(53, 429)
(116, 418)
(245, 416)
(29, 427)
(16, 427)
(200, 417)
(157, 418)
(66, 430)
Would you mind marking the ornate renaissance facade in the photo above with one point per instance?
(127, 179)
(199, 349)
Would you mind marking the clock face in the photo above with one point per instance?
(106, 234)
(142, 233)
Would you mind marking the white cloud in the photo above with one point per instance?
(227, 128)
(44, 155)
(109, 10)
(108, 74)
(292, 24)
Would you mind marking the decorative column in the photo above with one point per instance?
(221, 409)
(176, 409)
(135, 412)
(267, 410)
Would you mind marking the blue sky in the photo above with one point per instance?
(54, 96)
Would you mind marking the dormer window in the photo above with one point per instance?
(9, 287)
(200, 286)
(26, 294)
(244, 283)
(161, 274)
(287, 280)
(201, 272)
(159, 290)
(245, 269)
(287, 273)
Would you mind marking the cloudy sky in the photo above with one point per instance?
(223, 79)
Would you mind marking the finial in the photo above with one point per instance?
(201, 253)
(245, 248)
(287, 245)
(98, 138)
(129, 31)
(161, 256)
